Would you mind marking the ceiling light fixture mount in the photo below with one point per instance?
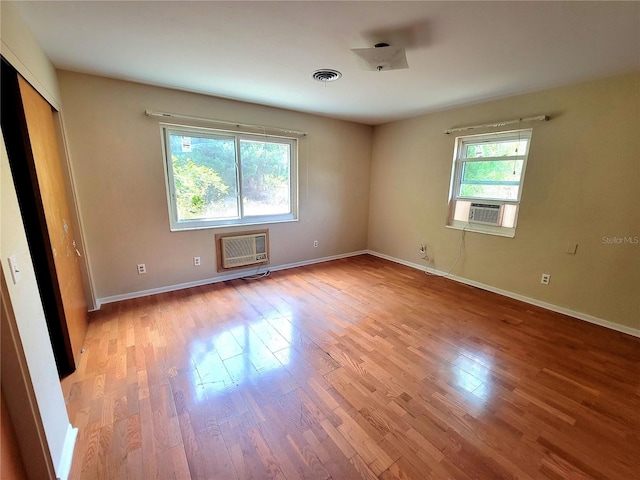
(381, 56)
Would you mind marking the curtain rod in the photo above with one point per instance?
(151, 113)
(539, 118)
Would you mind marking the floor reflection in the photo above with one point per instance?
(239, 354)
(472, 373)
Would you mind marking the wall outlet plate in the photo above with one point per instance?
(142, 269)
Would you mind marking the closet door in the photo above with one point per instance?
(47, 179)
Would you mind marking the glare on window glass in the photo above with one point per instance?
(204, 175)
(497, 149)
(265, 177)
(492, 179)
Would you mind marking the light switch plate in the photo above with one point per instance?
(13, 268)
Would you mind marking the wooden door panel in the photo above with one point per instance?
(51, 185)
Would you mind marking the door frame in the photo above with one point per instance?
(22, 403)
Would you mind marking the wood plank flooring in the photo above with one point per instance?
(356, 368)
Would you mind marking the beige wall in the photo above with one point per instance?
(582, 184)
(116, 157)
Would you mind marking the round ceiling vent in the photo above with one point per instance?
(326, 75)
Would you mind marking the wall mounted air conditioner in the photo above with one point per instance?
(486, 213)
(249, 248)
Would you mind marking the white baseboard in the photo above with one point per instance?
(64, 466)
(548, 306)
(221, 278)
(243, 273)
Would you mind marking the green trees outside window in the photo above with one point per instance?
(219, 177)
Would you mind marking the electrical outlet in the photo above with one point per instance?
(196, 261)
(142, 268)
(315, 244)
(423, 248)
(545, 279)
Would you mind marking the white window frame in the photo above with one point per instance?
(459, 160)
(167, 129)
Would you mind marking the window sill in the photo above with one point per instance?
(485, 229)
(247, 222)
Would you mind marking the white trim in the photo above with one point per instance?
(222, 278)
(168, 130)
(64, 466)
(21, 399)
(233, 276)
(14, 59)
(318, 260)
(507, 232)
(532, 301)
(77, 217)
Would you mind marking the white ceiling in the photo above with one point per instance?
(264, 52)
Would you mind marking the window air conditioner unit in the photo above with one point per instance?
(242, 250)
(486, 213)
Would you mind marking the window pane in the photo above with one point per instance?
(495, 171)
(204, 175)
(266, 177)
(489, 192)
(494, 179)
(496, 149)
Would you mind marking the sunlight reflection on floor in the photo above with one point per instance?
(472, 373)
(239, 354)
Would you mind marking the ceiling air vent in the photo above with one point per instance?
(326, 75)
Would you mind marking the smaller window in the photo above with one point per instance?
(488, 171)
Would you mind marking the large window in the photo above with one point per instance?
(216, 178)
(486, 183)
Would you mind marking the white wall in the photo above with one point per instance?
(29, 324)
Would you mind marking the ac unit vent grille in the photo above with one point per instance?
(243, 250)
(485, 213)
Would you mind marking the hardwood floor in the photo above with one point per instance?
(356, 368)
